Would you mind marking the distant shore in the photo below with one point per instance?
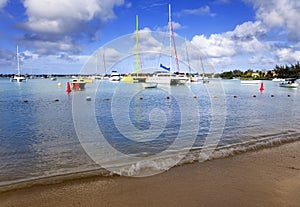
(267, 177)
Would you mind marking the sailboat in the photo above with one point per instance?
(18, 77)
(167, 77)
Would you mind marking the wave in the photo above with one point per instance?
(158, 165)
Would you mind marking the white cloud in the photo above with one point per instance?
(3, 3)
(279, 13)
(64, 16)
(288, 55)
(205, 10)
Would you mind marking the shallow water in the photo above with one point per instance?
(40, 139)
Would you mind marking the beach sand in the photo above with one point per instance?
(268, 177)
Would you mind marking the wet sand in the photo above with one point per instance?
(268, 177)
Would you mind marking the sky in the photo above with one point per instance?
(61, 36)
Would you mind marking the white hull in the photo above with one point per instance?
(149, 85)
(18, 79)
(278, 79)
(250, 81)
(289, 85)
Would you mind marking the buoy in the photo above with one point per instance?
(234, 96)
(168, 97)
(107, 99)
(261, 87)
(272, 95)
(254, 96)
(25, 101)
(88, 98)
(216, 97)
(195, 96)
(289, 95)
(141, 98)
(56, 100)
(68, 87)
(59, 85)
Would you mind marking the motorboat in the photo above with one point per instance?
(78, 84)
(114, 76)
(289, 83)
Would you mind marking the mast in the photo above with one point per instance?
(19, 72)
(137, 45)
(170, 38)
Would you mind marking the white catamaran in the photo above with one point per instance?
(169, 78)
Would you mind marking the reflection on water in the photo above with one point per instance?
(38, 138)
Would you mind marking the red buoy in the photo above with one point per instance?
(261, 87)
(68, 88)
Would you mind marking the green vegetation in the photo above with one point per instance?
(286, 71)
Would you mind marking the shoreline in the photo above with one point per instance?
(264, 177)
(219, 153)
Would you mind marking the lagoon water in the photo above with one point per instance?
(44, 137)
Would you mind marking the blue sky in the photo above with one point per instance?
(59, 36)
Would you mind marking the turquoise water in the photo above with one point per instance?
(45, 137)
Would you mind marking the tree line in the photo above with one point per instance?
(292, 71)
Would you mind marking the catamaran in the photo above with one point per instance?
(18, 77)
(169, 78)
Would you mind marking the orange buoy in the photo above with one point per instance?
(25, 101)
(107, 99)
(195, 96)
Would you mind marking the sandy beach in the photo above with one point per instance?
(268, 177)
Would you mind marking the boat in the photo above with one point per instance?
(150, 85)
(169, 78)
(18, 77)
(205, 80)
(278, 79)
(194, 78)
(114, 76)
(78, 84)
(249, 82)
(289, 83)
(53, 78)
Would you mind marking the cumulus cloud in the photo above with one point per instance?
(279, 13)
(222, 48)
(54, 26)
(64, 16)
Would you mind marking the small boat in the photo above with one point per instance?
(278, 79)
(289, 83)
(78, 84)
(250, 82)
(53, 78)
(150, 85)
(18, 77)
(114, 76)
(194, 78)
(205, 80)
